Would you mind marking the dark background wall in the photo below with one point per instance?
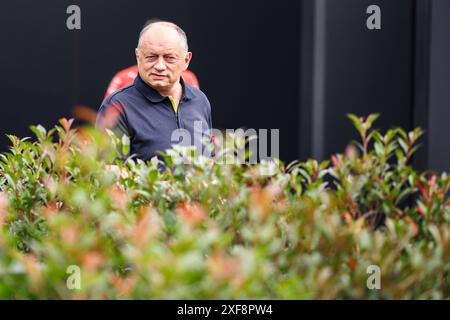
(299, 66)
(401, 71)
(367, 71)
(439, 99)
(36, 78)
(358, 70)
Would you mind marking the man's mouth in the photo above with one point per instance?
(158, 75)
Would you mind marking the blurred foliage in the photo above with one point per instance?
(200, 229)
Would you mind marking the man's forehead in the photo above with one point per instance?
(162, 35)
(160, 46)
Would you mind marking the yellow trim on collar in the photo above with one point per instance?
(174, 105)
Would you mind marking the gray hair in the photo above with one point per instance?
(180, 31)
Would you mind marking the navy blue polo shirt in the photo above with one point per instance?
(150, 119)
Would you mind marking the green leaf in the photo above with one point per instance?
(153, 175)
(371, 119)
(379, 149)
(400, 156)
(39, 131)
(125, 144)
(402, 133)
(403, 195)
(414, 149)
(403, 145)
(356, 122)
(389, 136)
(375, 135)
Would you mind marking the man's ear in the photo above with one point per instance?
(187, 59)
(136, 52)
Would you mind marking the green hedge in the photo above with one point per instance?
(208, 230)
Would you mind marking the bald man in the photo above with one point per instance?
(158, 108)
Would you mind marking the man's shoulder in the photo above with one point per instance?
(120, 96)
(197, 94)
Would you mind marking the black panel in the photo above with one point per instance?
(367, 70)
(439, 117)
(36, 65)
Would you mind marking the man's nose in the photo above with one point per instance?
(160, 65)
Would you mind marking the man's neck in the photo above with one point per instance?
(176, 91)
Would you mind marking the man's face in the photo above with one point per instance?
(161, 57)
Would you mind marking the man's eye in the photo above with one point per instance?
(170, 59)
(151, 58)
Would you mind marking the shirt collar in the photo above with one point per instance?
(154, 96)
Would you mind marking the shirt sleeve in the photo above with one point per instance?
(209, 114)
(112, 116)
